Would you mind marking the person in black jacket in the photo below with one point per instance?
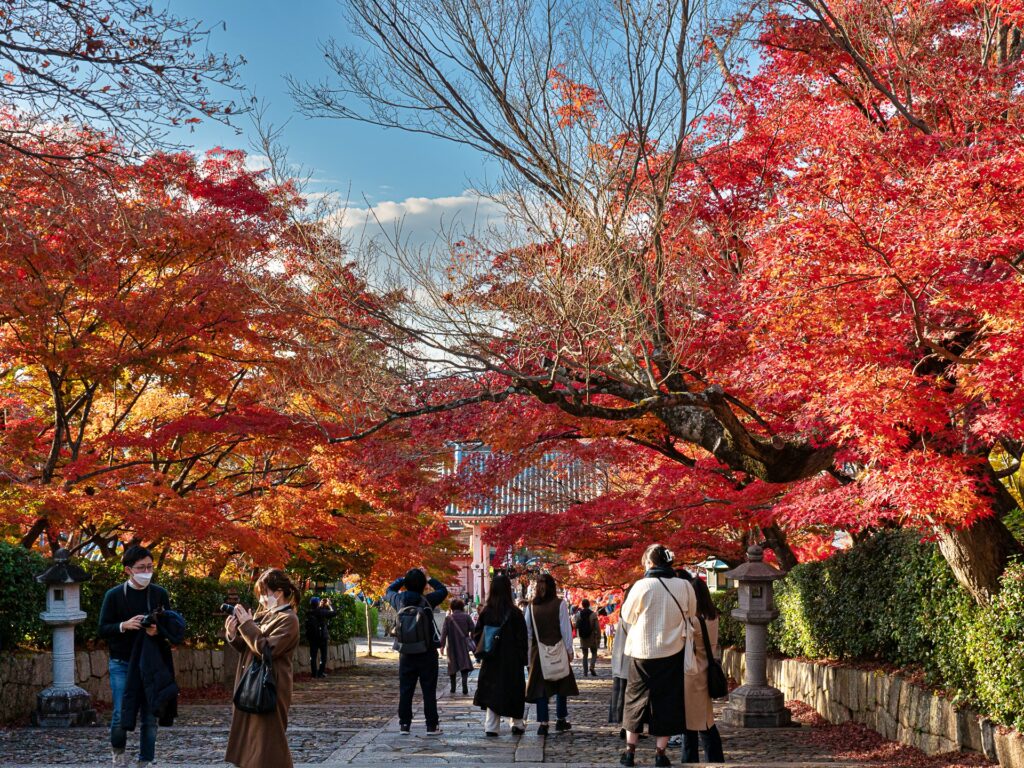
(125, 609)
(318, 634)
(420, 666)
(501, 687)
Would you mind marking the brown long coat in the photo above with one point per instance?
(259, 741)
(700, 714)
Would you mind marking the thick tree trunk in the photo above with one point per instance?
(978, 555)
(38, 527)
(775, 539)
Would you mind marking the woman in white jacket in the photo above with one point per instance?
(658, 610)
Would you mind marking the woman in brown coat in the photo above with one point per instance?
(547, 621)
(700, 714)
(259, 741)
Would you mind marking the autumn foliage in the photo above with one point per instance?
(150, 387)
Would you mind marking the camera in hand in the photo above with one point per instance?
(227, 608)
(149, 619)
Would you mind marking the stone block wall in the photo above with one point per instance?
(22, 676)
(889, 705)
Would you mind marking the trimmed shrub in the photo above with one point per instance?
(730, 631)
(894, 599)
(350, 621)
(995, 646)
(22, 598)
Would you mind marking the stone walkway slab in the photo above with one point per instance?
(349, 719)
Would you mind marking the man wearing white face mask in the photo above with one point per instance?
(125, 607)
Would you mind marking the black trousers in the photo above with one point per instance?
(413, 668)
(315, 649)
(710, 741)
(593, 658)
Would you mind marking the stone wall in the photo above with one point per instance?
(22, 676)
(888, 704)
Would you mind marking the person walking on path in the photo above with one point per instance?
(547, 622)
(318, 634)
(416, 641)
(588, 630)
(660, 649)
(700, 714)
(259, 740)
(500, 687)
(122, 613)
(457, 642)
(619, 675)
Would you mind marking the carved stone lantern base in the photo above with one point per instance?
(756, 706)
(63, 707)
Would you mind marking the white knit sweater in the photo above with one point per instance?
(656, 627)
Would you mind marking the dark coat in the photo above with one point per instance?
(318, 630)
(259, 741)
(501, 686)
(592, 640)
(151, 673)
(455, 634)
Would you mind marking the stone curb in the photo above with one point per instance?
(889, 705)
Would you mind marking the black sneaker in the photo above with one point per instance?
(563, 725)
(542, 729)
(404, 728)
(492, 734)
(517, 731)
(434, 731)
(661, 760)
(628, 758)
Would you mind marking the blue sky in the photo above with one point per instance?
(362, 162)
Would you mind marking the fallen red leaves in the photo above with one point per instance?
(855, 742)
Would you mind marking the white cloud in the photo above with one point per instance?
(424, 222)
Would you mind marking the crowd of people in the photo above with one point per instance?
(666, 632)
(660, 646)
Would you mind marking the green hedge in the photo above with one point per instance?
(894, 599)
(22, 598)
(197, 599)
(730, 630)
(350, 621)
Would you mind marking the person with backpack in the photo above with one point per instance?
(549, 631)
(500, 639)
(416, 641)
(588, 630)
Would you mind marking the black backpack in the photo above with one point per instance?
(583, 627)
(415, 630)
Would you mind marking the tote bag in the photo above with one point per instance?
(256, 692)
(554, 659)
(718, 683)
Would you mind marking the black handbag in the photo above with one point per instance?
(256, 692)
(490, 641)
(718, 683)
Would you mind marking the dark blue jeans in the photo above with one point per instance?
(561, 708)
(118, 735)
(413, 668)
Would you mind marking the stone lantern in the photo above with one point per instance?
(755, 704)
(63, 703)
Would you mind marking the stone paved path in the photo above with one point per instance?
(348, 720)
